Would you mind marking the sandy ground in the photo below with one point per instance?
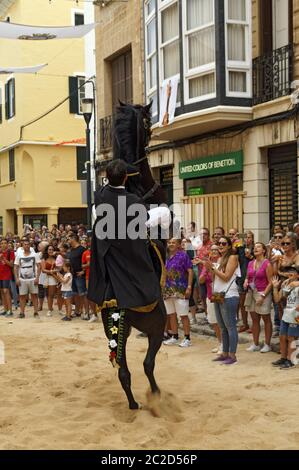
(59, 391)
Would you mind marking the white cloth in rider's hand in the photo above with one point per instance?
(159, 216)
(196, 242)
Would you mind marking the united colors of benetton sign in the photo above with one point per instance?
(209, 166)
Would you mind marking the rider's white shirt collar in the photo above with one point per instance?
(117, 187)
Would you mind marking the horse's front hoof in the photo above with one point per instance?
(135, 406)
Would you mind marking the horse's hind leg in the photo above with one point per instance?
(149, 361)
(124, 373)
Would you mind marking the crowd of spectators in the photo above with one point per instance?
(231, 277)
(46, 264)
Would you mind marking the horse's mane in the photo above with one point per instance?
(128, 142)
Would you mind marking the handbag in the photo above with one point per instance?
(219, 297)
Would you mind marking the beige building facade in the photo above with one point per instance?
(229, 157)
(40, 177)
(119, 66)
(233, 151)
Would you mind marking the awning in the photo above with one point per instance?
(30, 69)
(38, 33)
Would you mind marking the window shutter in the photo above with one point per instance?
(81, 159)
(13, 91)
(266, 26)
(73, 93)
(11, 156)
(79, 19)
(6, 101)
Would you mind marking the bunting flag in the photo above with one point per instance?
(168, 101)
(31, 69)
(38, 33)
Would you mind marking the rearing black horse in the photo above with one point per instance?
(132, 130)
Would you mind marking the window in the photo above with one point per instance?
(81, 92)
(1, 225)
(36, 221)
(11, 157)
(238, 55)
(199, 47)
(169, 41)
(151, 55)
(10, 99)
(276, 24)
(150, 6)
(79, 19)
(81, 159)
(122, 83)
(76, 92)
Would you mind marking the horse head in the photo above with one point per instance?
(132, 131)
(131, 136)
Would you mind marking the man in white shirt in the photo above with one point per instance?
(27, 269)
(20, 250)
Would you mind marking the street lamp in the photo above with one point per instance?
(87, 105)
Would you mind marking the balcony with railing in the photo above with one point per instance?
(106, 125)
(272, 75)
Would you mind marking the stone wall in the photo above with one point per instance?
(120, 28)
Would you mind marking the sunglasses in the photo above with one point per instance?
(223, 243)
(286, 244)
(279, 237)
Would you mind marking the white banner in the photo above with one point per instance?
(38, 33)
(30, 69)
(168, 100)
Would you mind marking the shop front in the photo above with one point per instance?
(213, 190)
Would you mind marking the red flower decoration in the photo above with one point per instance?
(112, 355)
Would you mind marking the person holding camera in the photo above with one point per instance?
(225, 297)
(177, 291)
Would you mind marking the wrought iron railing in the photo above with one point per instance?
(272, 75)
(106, 124)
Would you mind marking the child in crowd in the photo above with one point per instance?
(66, 279)
(289, 326)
